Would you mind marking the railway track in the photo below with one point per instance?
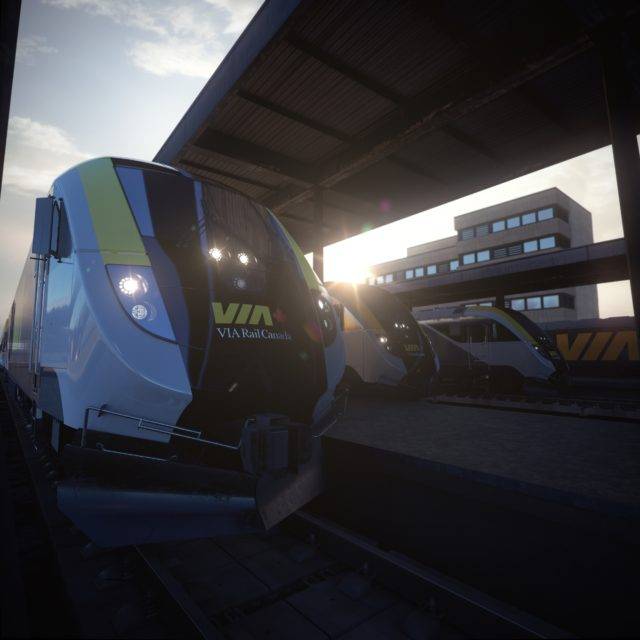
(308, 578)
(603, 408)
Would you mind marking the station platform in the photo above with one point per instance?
(589, 461)
(541, 511)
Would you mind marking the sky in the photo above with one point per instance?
(113, 77)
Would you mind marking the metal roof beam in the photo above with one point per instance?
(491, 54)
(429, 112)
(292, 115)
(213, 141)
(471, 143)
(344, 69)
(225, 174)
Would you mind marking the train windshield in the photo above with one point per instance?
(395, 318)
(234, 292)
(531, 327)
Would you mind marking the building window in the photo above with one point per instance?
(548, 242)
(528, 218)
(468, 258)
(545, 214)
(485, 304)
(388, 278)
(483, 256)
(515, 250)
(443, 267)
(482, 230)
(419, 272)
(408, 274)
(453, 265)
(500, 253)
(530, 245)
(497, 226)
(517, 304)
(514, 222)
(372, 281)
(432, 270)
(551, 302)
(534, 303)
(380, 280)
(466, 234)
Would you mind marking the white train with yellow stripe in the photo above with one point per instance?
(513, 349)
(169, 328)
(383, 342)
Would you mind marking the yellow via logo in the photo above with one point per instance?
(237, 313)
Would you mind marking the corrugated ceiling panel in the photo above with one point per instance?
(271, 130)
(304, 85)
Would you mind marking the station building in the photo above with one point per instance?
(541, 222)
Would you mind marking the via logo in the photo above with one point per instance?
(236, 313)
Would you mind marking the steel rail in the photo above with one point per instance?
(496, 618)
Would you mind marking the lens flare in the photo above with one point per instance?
(129, 285)
(216, 254)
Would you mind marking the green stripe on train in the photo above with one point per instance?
(118, 237)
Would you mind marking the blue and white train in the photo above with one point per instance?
(176, 349)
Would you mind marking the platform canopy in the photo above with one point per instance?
(342, 115)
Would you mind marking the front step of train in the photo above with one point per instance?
(120, 498)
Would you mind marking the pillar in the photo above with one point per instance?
(318, 234)
(622, 110)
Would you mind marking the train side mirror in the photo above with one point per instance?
(43, 220)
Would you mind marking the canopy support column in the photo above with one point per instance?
(318, 240)
(622, 105)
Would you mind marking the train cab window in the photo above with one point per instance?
(132, 181)
(476, 333)
(500, 333)
(60, 241)
(456, 332)
(351, 323)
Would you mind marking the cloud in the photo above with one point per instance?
(36, 154)
(175, 56)
(239, 11)
(29, 46)
(181, 38)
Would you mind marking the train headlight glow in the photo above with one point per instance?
(141, 299)
(216, 254)
(243, 258)
(129, 285)
(383, 339)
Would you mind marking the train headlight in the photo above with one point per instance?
(216, 254)
(328, 323)
(132, 284)
(139, 295)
